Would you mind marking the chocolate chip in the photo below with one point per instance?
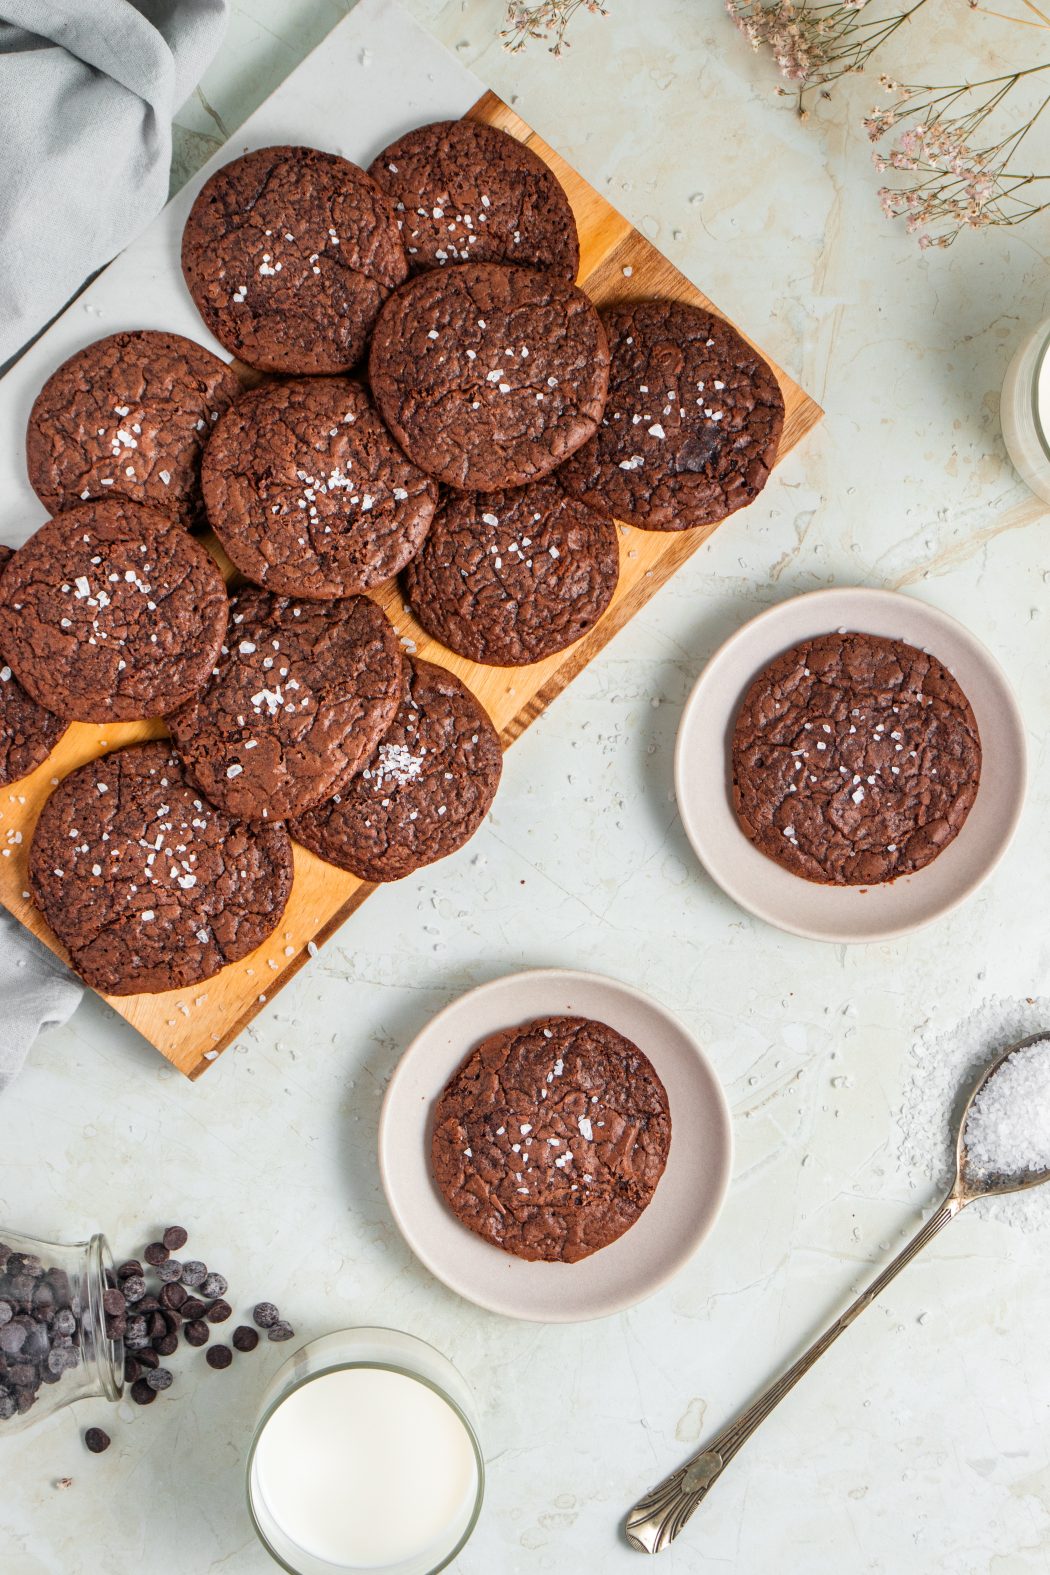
(160, 1378)
(61, 1358)
(219, 1311)
(65, 1321)
(214, 1285)
(167, 1345)
(133, 1287)
(175, 1237)
(197, 1332)
(245, 1339)
(132, 1369)
(219, 1356)
(12, 1338)
(113, 1303)
(194, 1273)
(148, 1358)
(129, 1270)
(168, 1273)
(7, 1312)
(116, 1328)
(265, 1314)
(7, 1405)
(141, 1392)
(280, 1330)
(147, 1304)
(192, 1307)
(97, 1441)
(156, 1253)
(173, 1297)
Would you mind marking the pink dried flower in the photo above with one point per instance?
(544, 19)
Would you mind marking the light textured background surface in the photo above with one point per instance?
(917, 1448)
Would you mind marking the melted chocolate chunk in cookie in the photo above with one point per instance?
(302, 694)
(128, 416)
(551, 1138)
(465, 192)
(112, 612)
(856, 759)
(289, 253)
(28, 733)
(489, 377)
(148, 885)
(691, 429)
(309, 493)
(509, 577)
(424, 792)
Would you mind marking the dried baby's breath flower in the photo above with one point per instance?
(547, 19)
(815, 44)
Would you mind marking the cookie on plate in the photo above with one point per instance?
(489, 376)
(308, 492)
(856, 759)
(465, 192)
(147, 885)
(28, 733)
(289, 253)
(551, 1138)
(300, 698)
(509, 577)
(128, 415)
(692, 425)
(424, 792)
(111, 612)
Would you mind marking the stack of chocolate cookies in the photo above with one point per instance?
(438, 398)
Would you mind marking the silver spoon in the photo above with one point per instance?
(656, 1519)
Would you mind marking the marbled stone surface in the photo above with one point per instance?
(920, 1445)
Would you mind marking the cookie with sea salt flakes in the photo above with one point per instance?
(309, 493)
(148, 885)
(509, 577)
(28, 733)
(111, 612)
(551, 1138)
(424, 792)
(128, 415)
(856, 759)
(289, 253)
(300, 698)
(465, 192)
(692, 425)
(489, 376)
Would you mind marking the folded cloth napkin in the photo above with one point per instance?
(88, 89)
(36, 992)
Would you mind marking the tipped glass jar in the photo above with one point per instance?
(54, 1343)
(1025, 411)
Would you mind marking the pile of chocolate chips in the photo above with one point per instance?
(39, 1329)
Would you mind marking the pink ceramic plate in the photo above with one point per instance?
(684, 1206)
(847, 913)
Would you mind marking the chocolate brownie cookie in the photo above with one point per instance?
(508, 577)
(28, 733)
(309, 493)
(551, 1138)
(112, 612)
(149, 886)
(464, 192)
(289, 253)
(856, 759)
(489, 377)
(691, 429)
(128, 415)
(301, 696)
(424, 792)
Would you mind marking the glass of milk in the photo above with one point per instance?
(365, 1457)
(1025, 410)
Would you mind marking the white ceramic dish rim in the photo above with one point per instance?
(563, 976)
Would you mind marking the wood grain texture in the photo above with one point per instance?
(191, 1027)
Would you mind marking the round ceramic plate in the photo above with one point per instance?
(687, 1198)
(847, 913)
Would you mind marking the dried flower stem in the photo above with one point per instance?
(547, 19)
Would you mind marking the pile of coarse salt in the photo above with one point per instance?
(940, 1071)
(1007, 1132)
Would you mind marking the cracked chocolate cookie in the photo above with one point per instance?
(551, 1138)
(489, 377)
(300, 698)
(111, 612)
(309, 493)
(128, 415)
(28, 733)
(289, 253)
(147, 885)
(509, 577)
(424, 792)
(856, 759)
(692, 425)
(465, 192)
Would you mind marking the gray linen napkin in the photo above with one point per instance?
(88, 89)
(36, 992)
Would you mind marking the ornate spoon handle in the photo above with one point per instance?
(658, 1517)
